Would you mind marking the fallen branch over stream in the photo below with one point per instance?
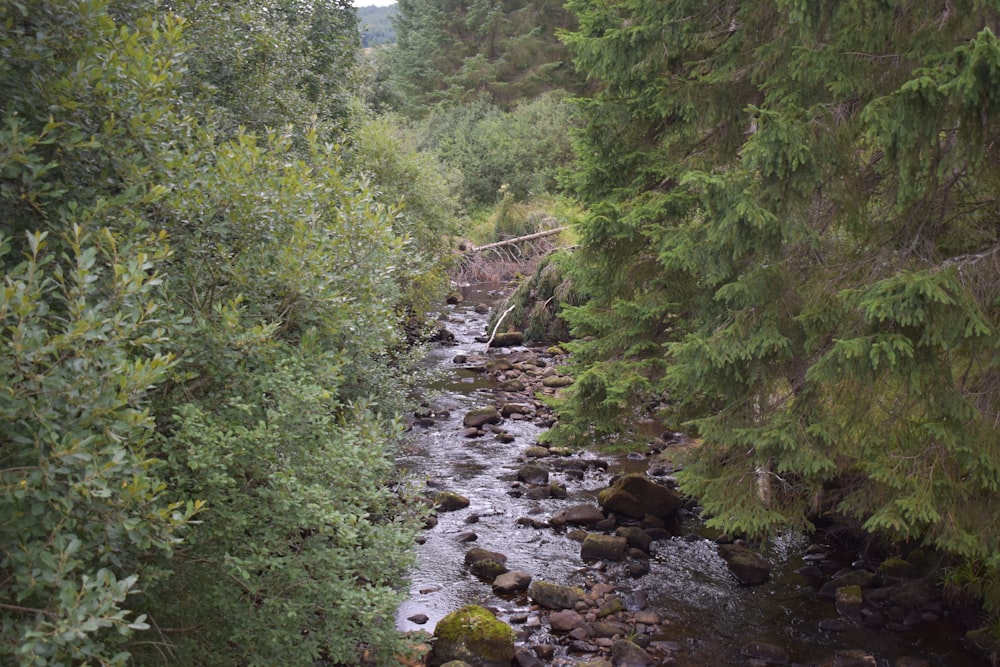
(514, 241)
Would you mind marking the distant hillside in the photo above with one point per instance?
(376, 25)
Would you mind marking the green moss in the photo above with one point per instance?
(475, 635)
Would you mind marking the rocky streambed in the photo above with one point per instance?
(541, 556)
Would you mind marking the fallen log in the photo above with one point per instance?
(514, 241)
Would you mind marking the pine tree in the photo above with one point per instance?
(795, 227)
(495, 51)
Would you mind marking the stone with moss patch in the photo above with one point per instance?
(473, 635)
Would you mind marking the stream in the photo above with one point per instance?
(709, 617)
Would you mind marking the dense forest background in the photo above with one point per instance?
(376, 25)
(223, 223)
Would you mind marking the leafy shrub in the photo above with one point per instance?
(85, 522)
(522, 149)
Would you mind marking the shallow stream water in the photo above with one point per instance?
(711, 617)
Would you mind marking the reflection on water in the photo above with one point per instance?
(711, 616)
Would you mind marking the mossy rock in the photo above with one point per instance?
(481, 416)
(488, 569)
(636, 495)
(473, 635)
(555, 596)
(508, 339)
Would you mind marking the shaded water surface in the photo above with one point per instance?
(711, 616)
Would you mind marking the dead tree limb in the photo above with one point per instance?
(519, 239)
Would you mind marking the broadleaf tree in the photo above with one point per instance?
(201, 315)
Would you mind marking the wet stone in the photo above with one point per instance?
(768, 654)
(854, 658)
(555, 596)
(525, 658)
(603, 547)
(628, 654)
(747, 566)
(647, 617)
(578, 515)
(566, 620)
(511, 582)
(446, 501)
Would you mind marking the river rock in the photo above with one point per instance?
(488, 570)
(508, 409)
(533, 474)
(536, 452)
(478, 553)
(566, 620)
(526, 658)
(474, 635)
(849, 602)
(636, 537)
(511, 582)
(481, 416)
(514, 385)
(748, 566)
(768, 654)
(485, 564)
(854, 658)
(555, 596)
(603, 547)
(507, 339)
(447, 501)
(628, 654)
(862, 578)
(636, 495)
(578, 515)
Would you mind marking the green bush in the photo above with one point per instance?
(521, 150)
(85, 523)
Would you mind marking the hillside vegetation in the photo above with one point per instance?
(376, 25)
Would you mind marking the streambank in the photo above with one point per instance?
(675, 600)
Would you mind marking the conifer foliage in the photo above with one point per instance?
(495, 51)
(794, 249)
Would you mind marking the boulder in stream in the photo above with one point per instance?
(604, 547)
(555, 596)
(768, 654)
(448, 501)
(849, 600)
(474, 635)
(578, 515)
(533, 474)
(507, 339)
(636, 495)
(511, 582)
(628, 654)
(481, 416)
(485, 564)
(748, 566)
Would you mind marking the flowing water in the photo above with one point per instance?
(711, 616)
